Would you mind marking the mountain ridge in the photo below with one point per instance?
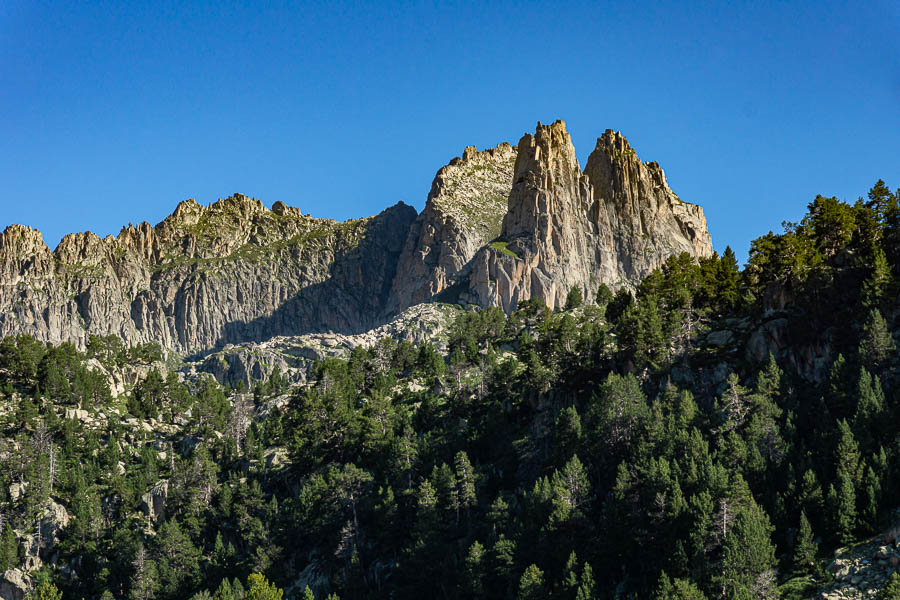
(235, 271)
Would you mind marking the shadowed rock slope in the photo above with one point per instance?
(230, 272)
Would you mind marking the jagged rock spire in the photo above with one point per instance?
(612, 223)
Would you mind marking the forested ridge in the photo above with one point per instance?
(713, 433)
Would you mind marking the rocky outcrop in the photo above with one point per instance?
(464, 211)
(55, 519)
(294, 356)
(154, 501)
(612, 223)
(862, 570)
(14, 585)
(205, 276)
(646, 220)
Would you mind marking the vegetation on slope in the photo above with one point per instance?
(632, 447)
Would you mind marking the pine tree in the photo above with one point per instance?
(44, 589)
(847, 455)
(870, 404)
(498, 515)
(224, 591)
(9, 550)
(604, 297)
(619, 305)
(144, 584)
(567, 433)
(259, 588)
(876, 344)
(586, 584)
(349, 483)
(570, 575)
(805, 547)
(473, 584)
(871, 500)
(574, 299)
(406, 451)
(427, 515)
(880, 198)
(891, 591)
(840, 387)
(531, 585)
(465, 484)
(845, 508)
(504, 558)
(219, 562)
(876, 284)
(571, 489)
(677, 589)
(748, 552)
(728, 279)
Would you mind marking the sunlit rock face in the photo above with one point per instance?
(611, 223)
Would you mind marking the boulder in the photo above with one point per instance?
(14, 585)
(277, 404)
(769, 338)
(283, 210)
(54, 521)
(154, 501)
(276, 457)
(187, 444)
(16, 490)
(77, 414)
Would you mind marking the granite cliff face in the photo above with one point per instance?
(230, 272)
(647, 220)
(612, 223)
(500, 225)
(464, 211)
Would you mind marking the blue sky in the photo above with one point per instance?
(113, 112)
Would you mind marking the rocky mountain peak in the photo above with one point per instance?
(84, 247)
(22, 240)
(186, 213)
(22, 249)
(549, 152)
(635, 195)
(542, 249)
(613, 223)
(463, 212)
(232, 271)
(244, 206)
(546, 170)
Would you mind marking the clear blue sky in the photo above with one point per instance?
(113, 112)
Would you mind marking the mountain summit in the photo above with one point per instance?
(499, 226)
(612, 223)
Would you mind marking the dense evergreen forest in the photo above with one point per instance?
(713, 433)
